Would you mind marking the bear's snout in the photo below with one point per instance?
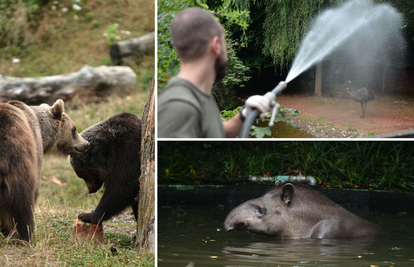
(82, 148)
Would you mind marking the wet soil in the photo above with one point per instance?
(340, 117)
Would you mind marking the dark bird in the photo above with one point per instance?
(362, 95)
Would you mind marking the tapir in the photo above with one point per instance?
(294, 211)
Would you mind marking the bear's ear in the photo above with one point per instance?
(57, 109)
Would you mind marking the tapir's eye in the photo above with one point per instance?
(261, 211)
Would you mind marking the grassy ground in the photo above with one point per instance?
(57, 44)
(59, 205)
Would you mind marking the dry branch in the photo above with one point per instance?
(89, 83)
(122, 52)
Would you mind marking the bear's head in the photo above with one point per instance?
(91, 175)
(114, 150)
(92, 165)
(59, 135)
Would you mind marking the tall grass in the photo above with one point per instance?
(367, 164)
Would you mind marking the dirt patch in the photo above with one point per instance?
(123, 223)
(385, 114)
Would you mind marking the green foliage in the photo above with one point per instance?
(112, 33)
(15, 18)
(228, 114)
(260, 132)
(371, 133)
(285, 24)
(380, 165)
(224, 90)
(256, 131)
(168, 62)
(294, 126)
(283, 111)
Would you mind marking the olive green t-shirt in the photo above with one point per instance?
(185, 112)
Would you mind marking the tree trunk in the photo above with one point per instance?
(146, 218)
(384, 72)
(89, 84)
(122, 52)
(318, 79)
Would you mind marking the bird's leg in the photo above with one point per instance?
(365, 107)
(362, 107)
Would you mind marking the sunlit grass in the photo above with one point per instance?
(52, 245)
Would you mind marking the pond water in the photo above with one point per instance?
(283, 130)
(193, 236)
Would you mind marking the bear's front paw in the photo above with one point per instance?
(89, 218)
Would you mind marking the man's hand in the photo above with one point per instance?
(258, 102)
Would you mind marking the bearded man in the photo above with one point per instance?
(186, 107)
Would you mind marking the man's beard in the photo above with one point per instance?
(220, 67)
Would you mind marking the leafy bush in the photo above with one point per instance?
(16, 18)
(353, 164)
(223, 91)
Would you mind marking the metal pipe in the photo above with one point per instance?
(284, 178)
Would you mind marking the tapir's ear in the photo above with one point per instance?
(288, 193)
(57, 109)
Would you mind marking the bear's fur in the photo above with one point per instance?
(112, 159)
(26, 133)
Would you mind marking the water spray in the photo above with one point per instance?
(271, 96)
(368, 27)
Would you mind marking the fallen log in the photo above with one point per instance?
(90, 84)
(122, 52)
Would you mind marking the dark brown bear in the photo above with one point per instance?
(112, 159)
(26, 133)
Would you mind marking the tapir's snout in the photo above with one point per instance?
(229, 222)
(233, 221)
(227, 226)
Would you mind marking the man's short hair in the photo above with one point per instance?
(192, 30)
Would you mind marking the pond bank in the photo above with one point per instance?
(321, 129)
(319, 114)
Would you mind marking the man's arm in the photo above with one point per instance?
(233, 126)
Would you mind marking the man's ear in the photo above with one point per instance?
(215, 45)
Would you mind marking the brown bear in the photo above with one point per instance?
(26, 133)
(112, 159)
